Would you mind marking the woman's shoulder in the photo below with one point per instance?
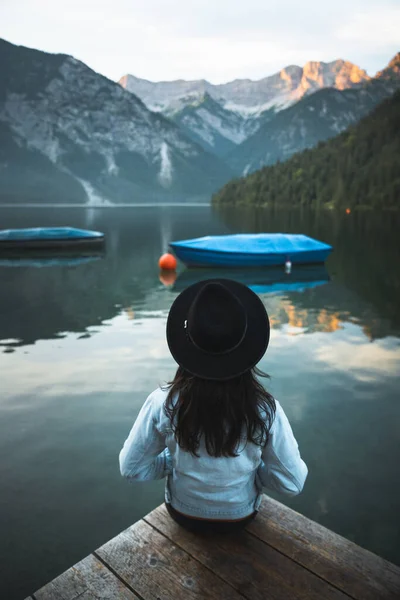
(280, 419)
(158, 397)
(157, 400)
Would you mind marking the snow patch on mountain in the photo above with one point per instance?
(94, 199)
(112, 168)
(165, 174)
(246, 169)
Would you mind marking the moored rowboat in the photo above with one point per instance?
(49, 237)
(250, 250)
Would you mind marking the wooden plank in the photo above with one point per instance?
(252, 567)
(358, 572)
(159, 570)
(87, 580)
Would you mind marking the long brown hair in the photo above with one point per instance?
(219, 411)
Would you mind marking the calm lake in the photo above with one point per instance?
(82, 345)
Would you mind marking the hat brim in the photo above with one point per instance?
(222, 366)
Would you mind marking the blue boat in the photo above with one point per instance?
(49, 238)
(250, 250)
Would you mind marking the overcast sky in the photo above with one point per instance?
(218, 40)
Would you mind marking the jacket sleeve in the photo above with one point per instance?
(282, 468)
(144, 455)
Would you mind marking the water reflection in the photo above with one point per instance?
(76, 294)
(261, 280)
(83, 344)
(40, 262)
(365, 258)
(167, 277)
(42, 304)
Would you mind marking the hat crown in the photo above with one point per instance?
(216, 320)
(217, 332)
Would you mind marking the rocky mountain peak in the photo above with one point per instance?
(395, 62)
(348, 74)
(392, 70)
(291, 75)
(339, 74)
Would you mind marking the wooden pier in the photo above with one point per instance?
(281, 555)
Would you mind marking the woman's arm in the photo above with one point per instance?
(144, 455)
(282, 468)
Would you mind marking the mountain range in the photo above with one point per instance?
(245, 96)
(69, 134)
(253, 123)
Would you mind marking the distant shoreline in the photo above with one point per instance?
(219, 206)
(108, 206)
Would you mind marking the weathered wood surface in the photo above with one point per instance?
(253, 568)
(360, 573)
(280, 556)
(157, 568)
(87, 580)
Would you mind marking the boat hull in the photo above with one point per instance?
(52, 244)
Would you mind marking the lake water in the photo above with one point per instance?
(82, 345)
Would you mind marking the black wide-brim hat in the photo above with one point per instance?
(217, 329)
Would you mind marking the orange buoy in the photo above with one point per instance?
(167, 277)
(167, 262)
(348, 211)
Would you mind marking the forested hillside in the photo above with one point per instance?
(358, 168)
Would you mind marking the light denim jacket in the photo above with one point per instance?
(206, 486)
